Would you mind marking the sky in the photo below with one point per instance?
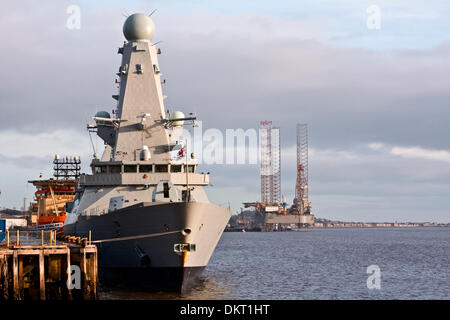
(376, 100)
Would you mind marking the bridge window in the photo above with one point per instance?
(166, 189)
(161, 168)
(175, 168)
(99, 169)
(145, 168)
(115, 169)
(130, 168)
(191, 168)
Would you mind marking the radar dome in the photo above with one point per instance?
(177, 115)
(102, 114)
(138, 26)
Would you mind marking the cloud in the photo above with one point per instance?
(417, 13)
(351, 184)
(233, 70)
(24, 156)
(415, 152)
(376, 146)
(46, 143)
(274, 67)
(418, 152)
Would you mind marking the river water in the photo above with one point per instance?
(413, 263)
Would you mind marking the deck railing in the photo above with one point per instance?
(29, 238)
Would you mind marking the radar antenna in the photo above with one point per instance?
(90, 137)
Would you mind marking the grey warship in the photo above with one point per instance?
(145, 201)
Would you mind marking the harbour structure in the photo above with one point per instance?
(10, 221)
(270, 154)
(145, 199)
(273, 211)
(36, 266)
(301, 201)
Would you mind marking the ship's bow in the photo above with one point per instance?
(156, 246)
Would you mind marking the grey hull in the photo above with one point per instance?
(152, 258)
(152, 279)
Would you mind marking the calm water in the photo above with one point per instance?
(323, 264)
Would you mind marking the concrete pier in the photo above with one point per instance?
(64, 271)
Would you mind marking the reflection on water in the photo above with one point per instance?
(206, 289)
(322, 264)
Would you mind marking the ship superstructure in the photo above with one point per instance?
(145, 201)
(49, 209)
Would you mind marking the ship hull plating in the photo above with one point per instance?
(152, 279)
(150, 261)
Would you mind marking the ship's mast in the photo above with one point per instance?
(140, 109)
(187, 172)
(139, 131)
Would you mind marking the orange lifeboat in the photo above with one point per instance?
(51, 219)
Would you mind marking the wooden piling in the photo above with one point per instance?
(95, 272)
(44, 272)
(84, 275)
(4, 283)
(68, 275)
(16, 276)
(41, 275)
(20, 276)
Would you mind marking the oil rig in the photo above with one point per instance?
(272, 212)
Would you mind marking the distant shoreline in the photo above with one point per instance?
(413, 227)
(340, 227)
(330, 225)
